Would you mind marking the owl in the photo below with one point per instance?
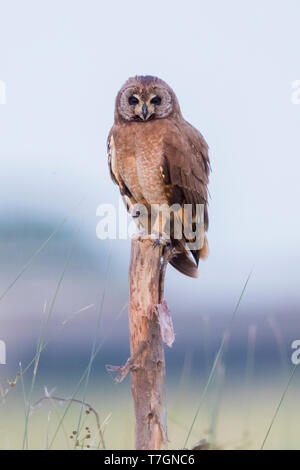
(158, 159)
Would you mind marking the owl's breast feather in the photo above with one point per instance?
(139, 151)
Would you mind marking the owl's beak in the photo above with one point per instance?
(144, 110)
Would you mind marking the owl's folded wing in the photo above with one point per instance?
(115, 175)
(186, 167)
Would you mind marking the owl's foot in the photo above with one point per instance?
(140, 235)
(160, 239)
(157, 238)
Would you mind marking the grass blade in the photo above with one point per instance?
(94, 345)
(279, 405)
(37, 252)
(41, 340)
(82, 378)
(216, 361)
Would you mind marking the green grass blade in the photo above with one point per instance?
(279, 405)
(79, 383)
(91, 360)
(216, 361)
(41, 340)
(37, 252)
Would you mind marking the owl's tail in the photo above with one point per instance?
(184, 263)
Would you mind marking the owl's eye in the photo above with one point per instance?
(133, 100)
(156, 100)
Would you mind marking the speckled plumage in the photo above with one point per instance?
(158, 158)
(139, 157)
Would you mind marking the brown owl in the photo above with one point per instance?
(158, 158)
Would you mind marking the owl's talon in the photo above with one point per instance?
(140, 235)
(160, 239)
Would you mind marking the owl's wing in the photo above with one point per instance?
(114, 173)
(111, 158)
(186, 170)
(186, 166)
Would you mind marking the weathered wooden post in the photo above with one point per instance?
(148, 374)
(149, 324)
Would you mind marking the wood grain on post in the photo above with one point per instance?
(146, 278)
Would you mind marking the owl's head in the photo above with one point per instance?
(143, 98)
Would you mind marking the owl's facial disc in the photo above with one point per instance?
(142, 105)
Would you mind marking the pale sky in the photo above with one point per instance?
(231, 64)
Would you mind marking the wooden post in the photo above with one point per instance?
(146, 278)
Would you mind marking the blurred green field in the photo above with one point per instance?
(231, 417)
(58, 338)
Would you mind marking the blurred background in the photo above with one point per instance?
(232, 65)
